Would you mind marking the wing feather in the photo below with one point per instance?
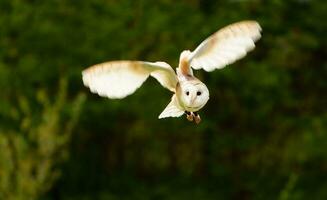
(172, 109)
(227, 45)
(117, 79)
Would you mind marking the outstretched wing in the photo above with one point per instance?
(225, 46)
(117, 79)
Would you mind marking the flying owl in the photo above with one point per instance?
(118, 79)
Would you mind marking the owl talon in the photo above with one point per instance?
(189, 116)
(197, 118)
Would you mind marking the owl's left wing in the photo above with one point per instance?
(117, 79)
(224, 47)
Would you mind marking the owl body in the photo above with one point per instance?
(118, 79)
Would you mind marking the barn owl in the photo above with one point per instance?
(118, 79)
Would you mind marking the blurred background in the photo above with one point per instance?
(264, 129)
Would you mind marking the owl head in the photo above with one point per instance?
(193, 95)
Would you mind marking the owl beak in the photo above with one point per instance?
(192, 99)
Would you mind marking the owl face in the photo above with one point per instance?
(193, 95)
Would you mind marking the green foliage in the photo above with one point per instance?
(30, 155)
(263, 134)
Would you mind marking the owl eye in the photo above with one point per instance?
(187, 93)
(198, 93)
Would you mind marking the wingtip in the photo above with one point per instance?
(161, 116)
(252, 23)
(84, 79)
(256, 24)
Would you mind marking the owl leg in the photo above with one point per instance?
(197, 118)
(189, 116)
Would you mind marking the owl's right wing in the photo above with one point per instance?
(118, 79)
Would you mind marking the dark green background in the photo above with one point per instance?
(264, 129)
